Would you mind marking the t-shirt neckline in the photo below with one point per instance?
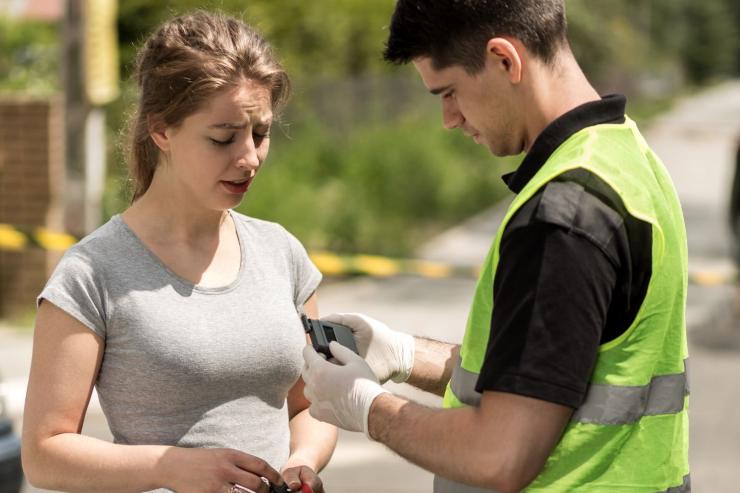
(118, 220)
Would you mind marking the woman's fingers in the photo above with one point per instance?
(258, 467)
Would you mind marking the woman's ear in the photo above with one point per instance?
(158, 133)
(504, 55)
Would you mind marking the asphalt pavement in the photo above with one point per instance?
(696, 141)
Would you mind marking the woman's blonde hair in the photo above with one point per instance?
(181, 65)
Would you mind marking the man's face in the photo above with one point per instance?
(480, 105)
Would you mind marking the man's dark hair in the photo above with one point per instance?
(455, 32)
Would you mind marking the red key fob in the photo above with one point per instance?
(306, 489)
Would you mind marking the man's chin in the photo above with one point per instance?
(496, 151)
(501, 151)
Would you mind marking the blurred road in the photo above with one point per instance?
(696, 142)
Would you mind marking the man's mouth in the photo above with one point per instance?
(472, 134)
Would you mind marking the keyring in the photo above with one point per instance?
(237, 488)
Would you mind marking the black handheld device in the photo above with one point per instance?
(322, 333)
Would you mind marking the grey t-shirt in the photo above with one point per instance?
(187, 365)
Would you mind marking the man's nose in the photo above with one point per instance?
(451, 116)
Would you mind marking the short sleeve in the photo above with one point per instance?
(306, 276)
(552, 293)
(75, 287)
(560, 266)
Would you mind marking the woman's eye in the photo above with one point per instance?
(261, 135)
(230, 140)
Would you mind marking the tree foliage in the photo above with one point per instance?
(712, 40)
(336, 38)
(358, 129)
(29, 57)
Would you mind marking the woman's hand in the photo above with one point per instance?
(198, 470)
(301, 476)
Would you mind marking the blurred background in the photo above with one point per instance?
(362, 165)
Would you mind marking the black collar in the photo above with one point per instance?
(610, 109)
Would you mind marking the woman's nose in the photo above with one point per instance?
(248, 158)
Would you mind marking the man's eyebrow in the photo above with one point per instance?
(440, 90)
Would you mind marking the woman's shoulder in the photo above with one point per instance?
(260, 227)
(269, 233)
(105, 242)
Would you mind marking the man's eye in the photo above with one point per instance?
(230, 140)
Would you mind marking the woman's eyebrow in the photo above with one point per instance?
(264, 120)
(230, 126)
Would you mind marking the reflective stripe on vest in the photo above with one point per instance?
(442, 485)
(684, 488)
(617, 405)
(463, 383)
(604, 404)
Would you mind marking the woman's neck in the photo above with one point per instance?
(161, 218)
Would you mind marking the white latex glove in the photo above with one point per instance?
(389, 353)
(340, 394)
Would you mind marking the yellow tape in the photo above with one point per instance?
(331, 264)
(11, 238)
(377, 266)
(433, 270)
(710, 278)
(54, 241)
(328, 263)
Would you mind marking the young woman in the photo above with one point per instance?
(182, 312)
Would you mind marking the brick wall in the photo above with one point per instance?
(31, 187)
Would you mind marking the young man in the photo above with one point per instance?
(571, 376)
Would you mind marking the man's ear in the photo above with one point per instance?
(504, 55)
(158, 133)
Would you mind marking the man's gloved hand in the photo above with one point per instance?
(389, 353)
(340, 394)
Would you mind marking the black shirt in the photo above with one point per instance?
(573, 271)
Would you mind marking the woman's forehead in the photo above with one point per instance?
(247, 102)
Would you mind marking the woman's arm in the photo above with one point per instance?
(311, 441)
(65, 363)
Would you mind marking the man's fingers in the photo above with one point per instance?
(342, 354)
(336, 318)
(316, 412)
(353, 321)
(308, 393)
(310, 356)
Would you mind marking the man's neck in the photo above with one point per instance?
(554, 92)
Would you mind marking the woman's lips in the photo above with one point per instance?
(236, 187)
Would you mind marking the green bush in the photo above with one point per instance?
(381, 187)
